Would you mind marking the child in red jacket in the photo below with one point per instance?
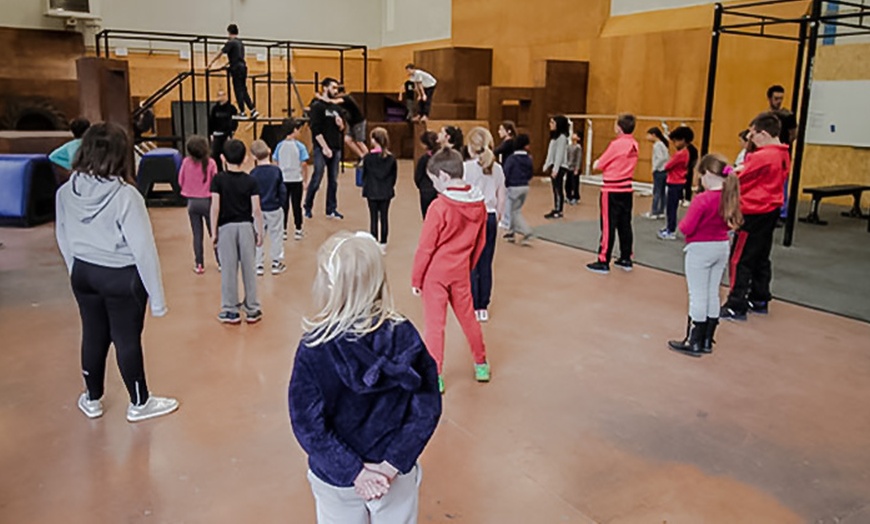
(761, 178)
(452, 240)
(617, 165)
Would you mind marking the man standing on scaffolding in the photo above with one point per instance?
(235, 51)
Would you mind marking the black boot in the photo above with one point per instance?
(708, 335)
(694, 342)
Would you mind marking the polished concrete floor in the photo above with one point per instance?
(589, 418)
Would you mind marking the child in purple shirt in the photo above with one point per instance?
(711, 215)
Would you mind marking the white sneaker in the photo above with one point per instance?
(153, 407)
(383, 249)
(649, 215)
(298, 235)
(285, 235)
(261, 271)
(484, 315)
(91, 408)
(278, 268)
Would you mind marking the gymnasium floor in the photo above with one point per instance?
(589, 417)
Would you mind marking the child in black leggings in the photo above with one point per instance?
(105, 237)
(379, 173)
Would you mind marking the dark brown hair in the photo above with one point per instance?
(510, 127)
(380, 137)
(105, 153)
(769, 122)
(430, 140)
(626, 122)
(729, 205)
(197, 149)
(448, 161)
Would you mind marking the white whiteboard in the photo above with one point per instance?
(839, 113)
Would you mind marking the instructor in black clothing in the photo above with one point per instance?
(235, 51)
(325, 119)
(221, 125)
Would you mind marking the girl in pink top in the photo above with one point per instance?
(194, 177)
(706, 226)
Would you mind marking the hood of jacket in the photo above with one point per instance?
(464, 199)
(91, 195)
(380, 360)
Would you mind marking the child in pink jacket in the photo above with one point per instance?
(452, 240)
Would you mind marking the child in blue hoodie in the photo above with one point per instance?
(363, 394)
(105, 237)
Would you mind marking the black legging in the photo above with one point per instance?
(112, 305)
(559, 189)
(293, 198)
(379, 211)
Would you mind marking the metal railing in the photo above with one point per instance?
(194, 42)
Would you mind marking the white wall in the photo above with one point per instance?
(410, 21)
(339, 21)
(626, 7)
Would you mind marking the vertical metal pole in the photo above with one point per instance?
(341, 66)
(799, 67)
(289, 84)
(181, 114)
(207, 79)
(366, 81)
(711, 80)
(803, 118)
(106, 40)
(97, 38)
(193, 88)
(269, 81)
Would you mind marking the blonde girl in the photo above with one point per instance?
(363, 393)
(486, 174)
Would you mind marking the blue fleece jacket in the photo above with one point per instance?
(364, 399)
(518, 169)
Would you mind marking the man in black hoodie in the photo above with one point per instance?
(325, 122)
(221, 125)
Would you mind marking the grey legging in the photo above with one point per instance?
(198, 210)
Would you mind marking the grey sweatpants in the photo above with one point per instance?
(274, 224)
(516, 200)
(344, 506)
(236, 247)
(705, 264)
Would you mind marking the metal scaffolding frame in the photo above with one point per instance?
(804, 31)
(103, 48)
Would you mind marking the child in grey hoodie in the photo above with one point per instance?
(105, 237)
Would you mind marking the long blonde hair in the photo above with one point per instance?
(479, 143)
(350, 289)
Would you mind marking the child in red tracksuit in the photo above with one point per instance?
(762, 176)
(451, 243)
(617, 164)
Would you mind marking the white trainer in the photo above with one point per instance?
(91, 408)
(153, 407)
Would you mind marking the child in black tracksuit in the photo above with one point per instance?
(428, 193)
(379, 173)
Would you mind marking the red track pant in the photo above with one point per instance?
(436, 296)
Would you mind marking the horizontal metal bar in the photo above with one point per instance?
(732, 7)
(753, 15)
(645, 118)
(761, 24)
(760, 35)
(133, 34)
(847, 35)
(846, 24)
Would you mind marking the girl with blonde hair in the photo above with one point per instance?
(363, 394)
(712, 215)
(483, 172)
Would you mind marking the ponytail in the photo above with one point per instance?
(480, 146)
(729, 205)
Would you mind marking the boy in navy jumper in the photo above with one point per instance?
(518, 171)
(270, 180)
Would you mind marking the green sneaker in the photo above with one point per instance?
(482, 372)
(440, 384)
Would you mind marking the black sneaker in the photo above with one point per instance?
(255, 114)
(510, 237)
(227, 317)
(728, 313)
(335, 215)
(253, 318)
(308, 213)
(624, 264)
(759, 308)
(553, 215)
(602, 268)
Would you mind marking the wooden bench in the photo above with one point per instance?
(818, 193)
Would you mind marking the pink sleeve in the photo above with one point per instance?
(606, 157)
(182, 173)
(692, 220)
(426, 248)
